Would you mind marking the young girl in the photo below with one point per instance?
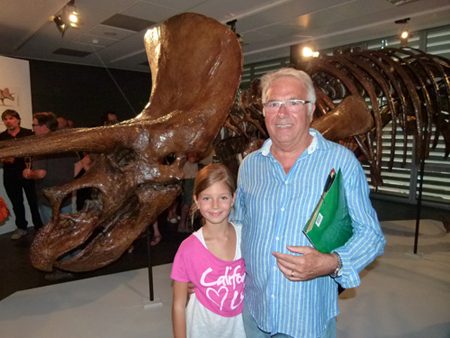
(211, 259)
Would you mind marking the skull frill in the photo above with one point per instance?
(196, 67)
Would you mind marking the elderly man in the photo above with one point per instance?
(291, 289)
(13, 181)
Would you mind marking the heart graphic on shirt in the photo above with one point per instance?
(216, 296)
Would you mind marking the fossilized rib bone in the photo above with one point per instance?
(350, 118)
(196, 66)
(413, 86)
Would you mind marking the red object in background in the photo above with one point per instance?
(4, 210)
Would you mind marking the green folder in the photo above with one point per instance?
(330, 225)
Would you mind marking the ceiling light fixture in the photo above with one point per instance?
(62, 27)
(69, 17)
(232, 25)
(404, 31)
(309, 51)
(71, 14)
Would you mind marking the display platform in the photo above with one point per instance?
(402, 295)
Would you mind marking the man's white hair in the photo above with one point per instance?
(269, 78)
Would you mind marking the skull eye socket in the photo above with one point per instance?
(169, 159)
(124, 157)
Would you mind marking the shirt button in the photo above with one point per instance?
(286, 182)
(273, 296)
(274, 268)
(282, 209)
(278, 238)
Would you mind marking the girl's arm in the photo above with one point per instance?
(179, 309)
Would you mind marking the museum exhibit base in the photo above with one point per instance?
(152, 301)
(419, 205)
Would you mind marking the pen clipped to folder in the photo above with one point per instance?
(330, 225)
(329, 182)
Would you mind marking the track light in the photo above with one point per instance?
(232, 25)
(404, 32)
(68, 18)
(62, 27)
(71, 15)
(308, 51)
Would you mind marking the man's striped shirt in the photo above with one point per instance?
(273, 207)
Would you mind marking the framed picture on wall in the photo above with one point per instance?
(9, 96)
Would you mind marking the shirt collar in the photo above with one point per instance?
(265, 149)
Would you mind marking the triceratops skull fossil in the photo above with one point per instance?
(196, 66)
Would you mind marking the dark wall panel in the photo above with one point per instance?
(83, 93)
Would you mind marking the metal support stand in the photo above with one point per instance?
(153, 302)
(150, 270)
(419, 204)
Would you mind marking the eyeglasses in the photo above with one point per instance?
(292, 106)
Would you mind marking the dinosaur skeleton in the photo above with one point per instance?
(405, 86)
(196, 66)
(413, 86)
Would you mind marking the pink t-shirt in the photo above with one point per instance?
(219, 284)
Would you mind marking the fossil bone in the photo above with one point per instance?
(196, 66)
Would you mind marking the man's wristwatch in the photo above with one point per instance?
(338, 272)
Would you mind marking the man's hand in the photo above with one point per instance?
(8, 160)
(190, 288)
(26, 173)
(310, 265)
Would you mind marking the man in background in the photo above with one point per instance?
(49, 171)
(109, 118)
(13, 180)
(53, 169)
(62, 123)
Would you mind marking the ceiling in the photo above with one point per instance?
(113, 30)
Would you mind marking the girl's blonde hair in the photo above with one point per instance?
(209, 175)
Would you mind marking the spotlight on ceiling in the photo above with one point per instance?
(232, 25)
(404, 31)
(62, 27)
(309, 51)
(69, 17)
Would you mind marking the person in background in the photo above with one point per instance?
(62, 123)
(156, 234)
(109, 118)
(190, 170)
(13, 180)
(210, 255)
(291, 289)
(53, 169)
(49, 171)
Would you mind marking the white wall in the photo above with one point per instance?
(15, 75)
